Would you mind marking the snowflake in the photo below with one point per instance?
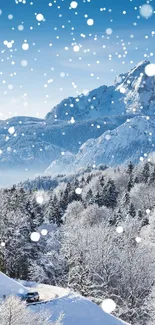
(35, 236)
(78, 190)
(146, 11)
(39, 17)
(74, 4)
(108, 305)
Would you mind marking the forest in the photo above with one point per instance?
(96, 235)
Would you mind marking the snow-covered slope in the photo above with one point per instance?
(77, 311)
(35, 143)
(9, 286)
(132, 141)
(22, 143)
(138, 89)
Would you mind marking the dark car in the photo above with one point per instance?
(32, 297)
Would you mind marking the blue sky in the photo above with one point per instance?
(54, 70)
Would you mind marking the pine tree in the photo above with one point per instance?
(127, 199)
(145, 222)
(146, 173)
(130, 168)
(83, 181)
(89, 197)
(89, 178)
(113, 220)
(136, 180)
(140, 215)
(132, 210)
(119, 216)
(73, 196)
(130, 172)
(55, 215)
(65, 197)
(101, 181)
(99, 199)
(110, 195)
(130, 185)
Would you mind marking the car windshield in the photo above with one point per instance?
(32, 293)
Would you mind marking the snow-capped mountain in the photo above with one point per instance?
(132, 93)
(133, 139)
(108, 125)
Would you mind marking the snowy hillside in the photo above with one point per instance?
(9, 286)
(134, 140)
(77, 310)
(25, 142)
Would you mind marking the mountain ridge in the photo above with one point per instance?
(27, 142)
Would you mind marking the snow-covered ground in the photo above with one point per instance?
(76, 310)
(10, 287)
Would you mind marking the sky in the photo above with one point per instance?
(53, 49)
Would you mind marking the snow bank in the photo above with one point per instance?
(77, 310)
(9, 286)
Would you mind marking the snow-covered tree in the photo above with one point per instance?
(14, 312)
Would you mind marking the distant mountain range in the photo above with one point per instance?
(109, 125)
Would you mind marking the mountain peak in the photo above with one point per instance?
(136, 72)
(139, 68)
(141, 65)
(130, 93)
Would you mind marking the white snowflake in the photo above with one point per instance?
(25, 46)
(119, 230)
(150, 70)
(24, 63)
(35, 236)
(108, 305)
(44, 232)
(40, 17)
(90, 22)
(11, 130)
(138, 240)
(146, 11)
(109, 31)
(78, 190)
(76, 48)
(74, 4)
